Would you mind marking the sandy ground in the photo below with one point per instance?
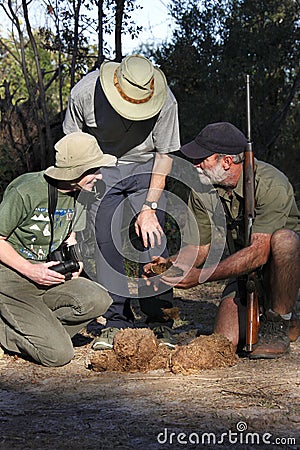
(251, 405)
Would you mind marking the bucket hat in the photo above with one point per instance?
(76, 153)
(219, 137)
(135, 88)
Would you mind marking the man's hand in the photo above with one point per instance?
(190, 277)
(148, 228)
(149, 268)
(42, 274)
(150, 276)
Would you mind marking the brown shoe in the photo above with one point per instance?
(273, 339)
(294, 328)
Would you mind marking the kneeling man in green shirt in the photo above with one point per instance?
(43, 307)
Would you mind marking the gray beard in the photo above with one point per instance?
(212, 176)
(203, 178)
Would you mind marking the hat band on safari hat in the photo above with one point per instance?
(135, 88)
(136, 101)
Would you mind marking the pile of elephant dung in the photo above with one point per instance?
(203, 352)
(138, 350)
(135, 350)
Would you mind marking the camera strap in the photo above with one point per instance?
(52, 201)
(231, 224)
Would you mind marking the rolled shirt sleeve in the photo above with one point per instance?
(275, 202)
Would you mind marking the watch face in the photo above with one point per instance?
(152, 205)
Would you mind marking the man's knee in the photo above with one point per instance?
(99, 300)
(93, 299)
(98, 305)
(56, 356)
(285, 240)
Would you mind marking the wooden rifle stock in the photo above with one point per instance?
(252, 314)
(249, 197)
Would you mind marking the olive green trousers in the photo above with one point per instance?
(40, 321)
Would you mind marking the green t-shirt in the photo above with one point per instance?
(275, 207)
(24, 218)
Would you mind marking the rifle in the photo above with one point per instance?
(249, 196)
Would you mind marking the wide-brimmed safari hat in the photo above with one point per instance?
(135, 88)
(219, 137)
(76, 153)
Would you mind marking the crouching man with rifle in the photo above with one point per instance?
(218, 153)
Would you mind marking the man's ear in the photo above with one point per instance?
(227, 162)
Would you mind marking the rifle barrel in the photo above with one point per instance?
(248, 109)
(249, 194)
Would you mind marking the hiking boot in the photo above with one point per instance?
(164, 336)
(106, 339)
(273, 340)
(294, 328)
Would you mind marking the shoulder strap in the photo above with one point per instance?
(52, 201)
(231, 224)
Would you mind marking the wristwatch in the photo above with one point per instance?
(152, 205)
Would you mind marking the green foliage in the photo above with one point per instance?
(10, 167)
(11, 70)
(215, 44)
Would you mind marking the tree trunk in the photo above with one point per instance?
(31, 88)
(100, 57)
(76, 7)
(120, 4)
(42, 96)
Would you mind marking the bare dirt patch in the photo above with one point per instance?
(251, 404)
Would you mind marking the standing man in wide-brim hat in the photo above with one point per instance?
(130, 109)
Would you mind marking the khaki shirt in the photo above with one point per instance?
(275, 207)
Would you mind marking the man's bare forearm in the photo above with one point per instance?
(191, 255)
(11, 258)
(161, 168)
(243, 261)
(147, 226)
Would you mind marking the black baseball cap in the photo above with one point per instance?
(219, 137)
